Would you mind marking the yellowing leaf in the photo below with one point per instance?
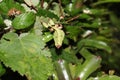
(51, 22)
(45, 24)
(58, 37)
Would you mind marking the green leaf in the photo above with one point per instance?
(95, 24)
(37, 29)
(46, 13)
(94, 43)
(26, 54)
(69, 56)
(89, 66)
(115, 20)
(47, 37)
(85, 16)
(1, 21)
(74, 8)
(2, 70)
(73, 32)
(106, 30)
(106, 77)
(24, 20)
(106, 1)
(58, 37)
(65, 2)
(85, 53)
(111, 77)
(3, 7)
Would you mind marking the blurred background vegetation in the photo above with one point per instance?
(108, 13)
(103, 18)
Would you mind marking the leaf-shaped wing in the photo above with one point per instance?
(58, 37)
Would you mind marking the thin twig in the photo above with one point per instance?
(31, 6)
(41, 3)
(73, 18)
(61, 11)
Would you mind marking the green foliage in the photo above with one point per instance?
(94, 43)
(60, 40)
(106, 77)
(74, 8)
(73, 32)
(106, 1)
(46, 13)
(26, 54)
(24, 20)
(2, 70)
(90, 65)
(1, 21)
(47, 37)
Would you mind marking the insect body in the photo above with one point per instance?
(13, 12)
